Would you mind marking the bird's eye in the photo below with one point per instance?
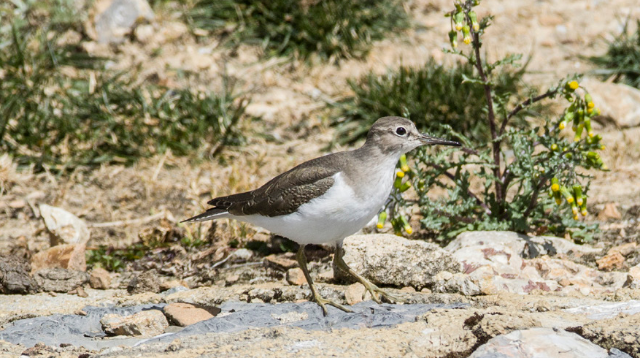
(401, 131)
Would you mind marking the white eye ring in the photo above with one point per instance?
(401, 131)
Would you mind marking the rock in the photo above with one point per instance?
(447, 282)
(119, 18)
(60, 280)
(611, 261)
(295, 276)
(80, 292)
(325, 276)
(146, 324)
(100, 279)
(167, 285)
(479, 244)
(282, 262)
(616, 353)
(14, 276)
(496, 262)
(392, 260)
(621, 332)
(539, 342)
(608, 310)
(617, 101)
(488, 325)
(624, 249)
(634, 272)
(64, 227)
(354, 293)
(610, 211)
(66, 256)
(184, 314)
(145, 282)
(241, 255)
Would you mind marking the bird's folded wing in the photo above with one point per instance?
(283, 194)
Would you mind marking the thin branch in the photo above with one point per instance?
(523, 105)
(534, 199)
(491, 115)
(453, 178)
(468, 150)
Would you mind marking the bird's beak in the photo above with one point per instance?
(429, 140)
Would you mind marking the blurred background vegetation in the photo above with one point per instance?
(63, 108)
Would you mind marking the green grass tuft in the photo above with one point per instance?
(329, 28)
(431, 96)
(622, 60)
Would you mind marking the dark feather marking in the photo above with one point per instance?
(285, 193)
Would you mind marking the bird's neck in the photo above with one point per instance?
(378, 156)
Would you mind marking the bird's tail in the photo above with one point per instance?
(211, 214)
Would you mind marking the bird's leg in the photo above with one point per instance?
(302, 260)
(372, 288)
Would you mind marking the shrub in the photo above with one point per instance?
(329, 28)
(622, 60)
(525, 179)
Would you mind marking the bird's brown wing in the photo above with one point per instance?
(285, 193)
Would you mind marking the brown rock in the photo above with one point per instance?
(79, 291)
(145, 282)
(14, 276)
(281, 262)
(610, 262)
(184, 314)
(100, 279)
(231, 279)
(60, 280)
(354, 293)
(295, 276)
(69, 256)
(624, 249)
(146, 323)
(610, 211)
(64, 227)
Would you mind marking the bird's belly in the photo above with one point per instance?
(329, 218)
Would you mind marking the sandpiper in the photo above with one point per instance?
(326, 199)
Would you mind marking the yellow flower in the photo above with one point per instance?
(574, 85)
(400, 174)
(555, 187)
(562, 125)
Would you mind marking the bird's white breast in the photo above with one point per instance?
(340, 212)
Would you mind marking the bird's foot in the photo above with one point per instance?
(323, 302)
(375, 291)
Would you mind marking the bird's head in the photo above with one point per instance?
(399, 135)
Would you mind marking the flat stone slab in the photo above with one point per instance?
(86, 330)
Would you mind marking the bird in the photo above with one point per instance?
(326, 199)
